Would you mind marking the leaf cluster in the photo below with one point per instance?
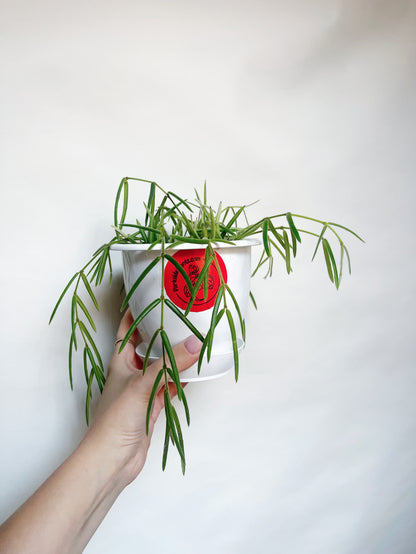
(169, 221)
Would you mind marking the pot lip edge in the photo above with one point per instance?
(185, 246)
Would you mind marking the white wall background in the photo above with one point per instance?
(307, 106)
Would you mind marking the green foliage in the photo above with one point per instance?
(172, 220)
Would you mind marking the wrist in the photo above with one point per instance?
(117, 462)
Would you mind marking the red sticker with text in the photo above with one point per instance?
(192, 262)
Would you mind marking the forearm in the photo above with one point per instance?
(66, 510)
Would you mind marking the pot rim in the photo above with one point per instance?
(186, 245)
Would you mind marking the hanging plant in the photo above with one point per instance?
(187, 268)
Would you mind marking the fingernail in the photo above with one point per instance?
(193, 345)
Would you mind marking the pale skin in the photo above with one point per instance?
(63, 514)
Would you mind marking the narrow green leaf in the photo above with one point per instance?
(89, 289)
(87, 337)
(212, 223)
(98, 251)
(85, 364)
(346, 229)
(89, 394)
(327, 260)
(177, 425)
(226, 231)
(217, 220)
(86, 312)
(154, 243)
(213, 322)
(95, 274)
(218, 299)
(165, 446)
(71, 344)
(123, 237)
(191, 240)
(261, 261)
(149, 350)
(333, 263)
(93, 268)
(294, 243)
(99, 271)
(270, 268)
(181, 201)
(183, 240)
(181, 271)
(150, 203)
(172, 427)
(201, 276)
(172, 359)
(172, 213)
(202, 352)
(223, 241)
(176, 434)
(137, 321)
(185, 320)
(101, 267)
(287, 251)
(173, 377)
(219, 316)
(116, 203)
(211, 337)
(74, 318)
(325, 227)
(250, 231)
(161, 211)
(293, 226)
(97, 371)
(139, 279)
(237, 307)
(141, 229)
(348, 258)
(186, 408)
(341, 263)
(234, 341)
(280, 239)
(62, 295)
(125, 202)
(110, 266)
(152, 399)
(225, 213)
(209, 259)
(197, 195)
(253, 300)
(266, 237)
(235, 216)
(190, 228)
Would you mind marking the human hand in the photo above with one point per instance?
(120, 421)
(66, 510)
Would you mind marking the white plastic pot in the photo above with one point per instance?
(235, 264)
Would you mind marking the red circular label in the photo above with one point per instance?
(192, 262)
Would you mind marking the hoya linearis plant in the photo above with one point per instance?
(170, 221)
